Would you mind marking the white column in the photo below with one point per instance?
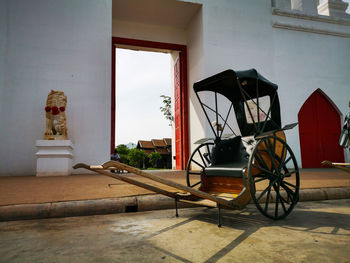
(333, 8)
(308, 7)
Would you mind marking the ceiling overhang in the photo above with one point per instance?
(168, 13)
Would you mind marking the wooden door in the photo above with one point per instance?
(319, 131)
(178, 119)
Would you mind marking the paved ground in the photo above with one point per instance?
(314, 232)
(36, 190)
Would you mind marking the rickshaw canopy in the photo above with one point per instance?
(254, 99)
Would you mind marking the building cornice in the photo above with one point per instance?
(309, 30)
(318, 18)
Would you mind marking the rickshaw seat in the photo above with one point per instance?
(226, 170)
(229, 158)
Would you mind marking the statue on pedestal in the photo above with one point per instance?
(56, 128)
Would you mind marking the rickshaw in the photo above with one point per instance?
(232, 168)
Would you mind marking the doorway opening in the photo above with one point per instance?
(142, 78)
(179, 96)
(319, 130)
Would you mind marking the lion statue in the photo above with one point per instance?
(56, 128)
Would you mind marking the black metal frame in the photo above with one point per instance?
(259, 126)
(276, 176)
(203, 105)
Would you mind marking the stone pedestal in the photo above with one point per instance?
(54, 157)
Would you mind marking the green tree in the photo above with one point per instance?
(136, 158)
(154, 158)
(123, 152)
(166, 109)
(122, 149)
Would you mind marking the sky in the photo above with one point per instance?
(141, 77)
(347, 10)
(347, 1)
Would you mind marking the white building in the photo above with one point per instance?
(66, 45)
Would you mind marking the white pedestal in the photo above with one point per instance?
(54, 157)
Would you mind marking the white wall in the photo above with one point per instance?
(3, 43)
(305, 62)
(195, 48)
(62, 45)
(65, 45)
(241, 35)
(238, 36)
(158, 33)
(225, 35)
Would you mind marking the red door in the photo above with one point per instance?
(178, 119)
(319, 131)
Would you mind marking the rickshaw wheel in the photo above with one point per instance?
(200, 158)
(273, 177)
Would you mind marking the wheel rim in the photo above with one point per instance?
(200, 158)
(273, 177)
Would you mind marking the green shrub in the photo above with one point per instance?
(124, 158)
(122, 149)
(136, 158)
(123, 152)
(154, 159)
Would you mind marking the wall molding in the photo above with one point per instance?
(318, 18)
(309, 30)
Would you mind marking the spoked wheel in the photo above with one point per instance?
(273, 176)
(200, 158)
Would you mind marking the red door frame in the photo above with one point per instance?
(308, 159)
(184, 94)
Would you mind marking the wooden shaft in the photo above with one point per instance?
(342, 166)
(122, 166)
(134, 170)
(128, 180)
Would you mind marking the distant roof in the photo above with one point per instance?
(167, 141)
(145, 144)
(159, 143)
(162, 146)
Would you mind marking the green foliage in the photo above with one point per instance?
(154, 158)
(122, 149)
(136, 158)
(123, 152)
(166, 109)
(124, 158)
